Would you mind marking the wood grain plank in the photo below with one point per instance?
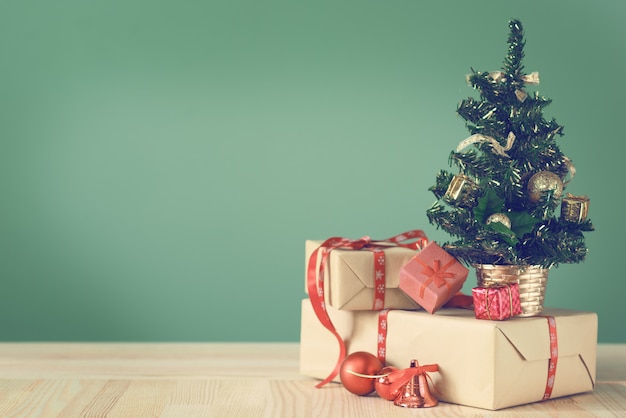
(289, 398)
(144, 398)
(255, 398)
(106, 398)
(131, 360)
(43, 397)
(229, 380)
(187, 411)
(16, 396)
(77, 398)
(611, 362)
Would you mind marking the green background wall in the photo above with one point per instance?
(162, 162)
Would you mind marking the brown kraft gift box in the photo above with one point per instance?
(349, 281)
(484, 364)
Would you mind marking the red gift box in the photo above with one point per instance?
(496, 302)
(432, 277)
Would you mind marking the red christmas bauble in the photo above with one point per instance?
(363, 363)
(382, 384)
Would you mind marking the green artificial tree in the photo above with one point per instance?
(502, 205)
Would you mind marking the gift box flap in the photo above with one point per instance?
(569, 324)
(362, 267)
(576, 334)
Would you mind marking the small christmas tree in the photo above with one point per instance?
(501, 205)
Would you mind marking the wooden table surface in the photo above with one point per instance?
(230, 380)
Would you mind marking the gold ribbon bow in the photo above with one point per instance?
(532, 78)
(496, 147)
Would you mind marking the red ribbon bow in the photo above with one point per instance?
(315, 277)
(436, 274)
(399, 378)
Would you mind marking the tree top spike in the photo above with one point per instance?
(516, 26)
(515, 54)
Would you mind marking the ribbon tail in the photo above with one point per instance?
(416, 234)
(341, 358)
(460, 300)
(319, 307)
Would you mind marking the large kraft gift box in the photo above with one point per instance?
(349, 280)
(484, 364)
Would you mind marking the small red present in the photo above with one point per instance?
(496, 302)
(432, 277)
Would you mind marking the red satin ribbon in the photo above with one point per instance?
(382, 335)
(460, 300)
(554, 356)
(315, 277)
(379, 279)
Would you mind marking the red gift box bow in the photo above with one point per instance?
(436, 274)
(315, 277)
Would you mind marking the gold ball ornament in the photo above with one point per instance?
(499, 217)
(542, 182)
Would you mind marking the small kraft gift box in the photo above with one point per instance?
(484, 364)
(364, 274)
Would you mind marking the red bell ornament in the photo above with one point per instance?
(415, 393)
(358, 371)
(429, 399)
